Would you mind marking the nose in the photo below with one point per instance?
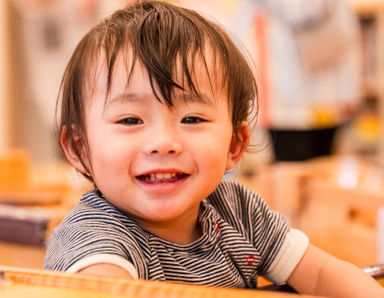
(163, 142)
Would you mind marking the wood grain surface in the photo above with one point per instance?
(17, 282)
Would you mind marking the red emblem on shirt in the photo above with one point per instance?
(250, 259)
(218, 227)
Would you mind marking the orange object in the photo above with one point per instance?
(14, 170)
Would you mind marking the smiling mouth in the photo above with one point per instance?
(161, 177)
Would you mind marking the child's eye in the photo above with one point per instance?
(131, 121)
(192, 120)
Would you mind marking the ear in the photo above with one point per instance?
(238, 145)
(70, 152)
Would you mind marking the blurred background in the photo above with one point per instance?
(319, 69)
(319, 134)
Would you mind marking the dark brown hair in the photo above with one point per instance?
(162, 37)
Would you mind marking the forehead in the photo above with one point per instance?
(198, 76)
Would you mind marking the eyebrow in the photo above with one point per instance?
(193, 97)
(123, 97)
(183, 96)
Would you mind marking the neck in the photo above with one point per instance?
(183, 230)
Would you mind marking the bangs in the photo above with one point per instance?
(171, 45)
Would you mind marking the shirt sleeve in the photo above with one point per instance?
(85, 238)
(104, 259)
(287, 258)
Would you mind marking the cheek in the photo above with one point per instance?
(107, 154)
(214, 150)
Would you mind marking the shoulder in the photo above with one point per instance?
(235, 195)
(93, 209)
(278, 246)
(95, 215)
(247, 211)
(238, 205)
(93, 227)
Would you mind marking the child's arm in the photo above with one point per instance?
(319, 273)
(107, 270)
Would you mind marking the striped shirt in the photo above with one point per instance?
(242, 239)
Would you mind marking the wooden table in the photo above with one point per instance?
(16, 282)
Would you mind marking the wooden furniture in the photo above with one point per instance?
(15, 282)
(33, 200)
(339, 210)
(28, 256)
(334, 200)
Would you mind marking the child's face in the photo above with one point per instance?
(153, 162)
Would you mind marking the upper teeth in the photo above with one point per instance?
(163, 175)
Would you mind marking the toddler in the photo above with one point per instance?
(154, 108)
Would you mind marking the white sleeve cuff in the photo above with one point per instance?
(290, 254)
(104, 259)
